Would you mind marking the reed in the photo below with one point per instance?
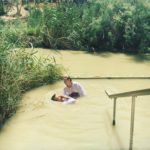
(21, 71)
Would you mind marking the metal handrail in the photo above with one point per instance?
(109, 77)
(130, 93)
(133, 94)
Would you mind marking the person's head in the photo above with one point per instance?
(68, 81)
(56, 98)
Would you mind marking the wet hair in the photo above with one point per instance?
(74, 95)
(53, 97)
(67, 78)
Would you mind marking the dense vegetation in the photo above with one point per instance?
(112, 25)
(20, 70)
(1, 8)
(99, 25)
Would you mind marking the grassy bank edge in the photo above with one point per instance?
(21, 71)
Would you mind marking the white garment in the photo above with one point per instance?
(66, 100)
(76, 87)
(69, 101)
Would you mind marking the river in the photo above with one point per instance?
(86, 125)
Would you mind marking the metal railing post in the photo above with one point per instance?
(114, 112)
(133, 94)
(132, 122)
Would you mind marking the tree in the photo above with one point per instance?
(1, 7)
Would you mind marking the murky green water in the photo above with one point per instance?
(86, 125)
(82, 64)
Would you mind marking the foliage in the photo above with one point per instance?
(58, 25)
(100, 25)
(118, 25)
(13, 32)
(1, 8)
(20, 70)
(35, 20)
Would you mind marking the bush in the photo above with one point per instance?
(35, 19)
(2, 12)
(100, 25)
(20, 70)
(13, 32)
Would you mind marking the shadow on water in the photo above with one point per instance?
(115, 133)
(5, 121)
(135, 57)
(141, 57)
(101, 54)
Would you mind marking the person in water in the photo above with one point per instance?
(73, 89)
(63, 98)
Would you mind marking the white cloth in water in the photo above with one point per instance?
(69, 100)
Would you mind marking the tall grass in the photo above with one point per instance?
(20, 71)
(113, 25)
